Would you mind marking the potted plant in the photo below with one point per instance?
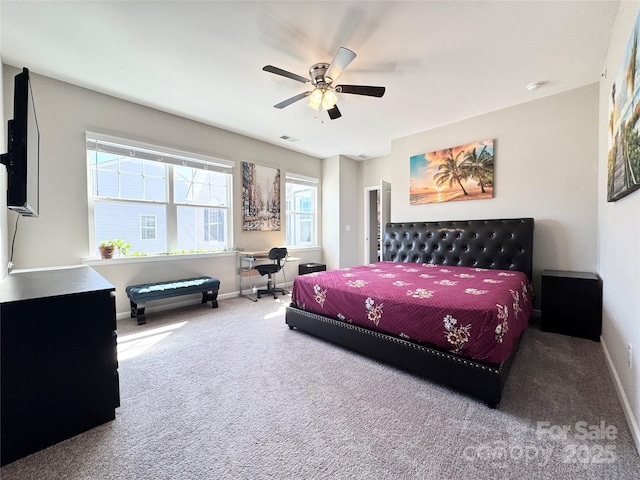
(108, 247)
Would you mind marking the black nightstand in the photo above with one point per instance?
(305, 268)
(572, 304)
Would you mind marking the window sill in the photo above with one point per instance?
(155, 258)
(95, 262)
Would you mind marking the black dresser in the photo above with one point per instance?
(571, 304)
(59, 365)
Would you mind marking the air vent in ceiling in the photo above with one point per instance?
(288, 138)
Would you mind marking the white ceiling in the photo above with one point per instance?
(441, 61)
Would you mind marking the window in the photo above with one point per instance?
(148, 227)
(213, 224)
(156, 199)
(301, 202)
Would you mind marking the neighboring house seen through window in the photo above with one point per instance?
(214, 223)
(301, 210)
(148, 229)
(156, 199)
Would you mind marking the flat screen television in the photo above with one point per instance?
(23, 154)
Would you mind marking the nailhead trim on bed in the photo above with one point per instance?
(382, 336)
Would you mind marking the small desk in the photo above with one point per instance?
(247, 260)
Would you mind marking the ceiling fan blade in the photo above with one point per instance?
(343, 57)
(284, 73)
(291, 100)
(361, 90)
(334, 112)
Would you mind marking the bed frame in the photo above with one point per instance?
(505, 244)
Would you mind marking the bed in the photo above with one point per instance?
(449, 302)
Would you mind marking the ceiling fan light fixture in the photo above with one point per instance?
(329, 99)
(315, 99)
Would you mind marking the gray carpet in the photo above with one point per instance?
(234, 394)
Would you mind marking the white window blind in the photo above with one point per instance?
(301, 180)
(130, 148)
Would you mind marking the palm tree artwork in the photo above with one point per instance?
(457, 173)
(450, 172)
(479, 166)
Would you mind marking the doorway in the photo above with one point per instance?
(377, 211)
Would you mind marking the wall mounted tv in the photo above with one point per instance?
(23, 154)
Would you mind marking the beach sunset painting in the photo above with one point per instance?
(457, 173)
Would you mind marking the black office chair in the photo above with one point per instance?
(276, 254)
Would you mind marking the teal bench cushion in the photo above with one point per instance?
(159, 290)
(140, 294)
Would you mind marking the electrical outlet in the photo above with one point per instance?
(630, 350)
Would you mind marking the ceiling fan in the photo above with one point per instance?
(322, 77)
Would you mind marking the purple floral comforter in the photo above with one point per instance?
(473, 312)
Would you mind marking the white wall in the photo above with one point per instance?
(546, 165)
(60, 236)
(619, 243)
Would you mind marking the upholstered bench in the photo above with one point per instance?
(140, 294)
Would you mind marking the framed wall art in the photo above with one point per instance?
(260, 197)
(457, 173)
(623, 165)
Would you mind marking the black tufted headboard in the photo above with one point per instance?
(505, 244)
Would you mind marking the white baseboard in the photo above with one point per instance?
(626, 407)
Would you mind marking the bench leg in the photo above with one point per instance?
(210, 296)
(214, 299)
(141, 318)
(137, 311)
